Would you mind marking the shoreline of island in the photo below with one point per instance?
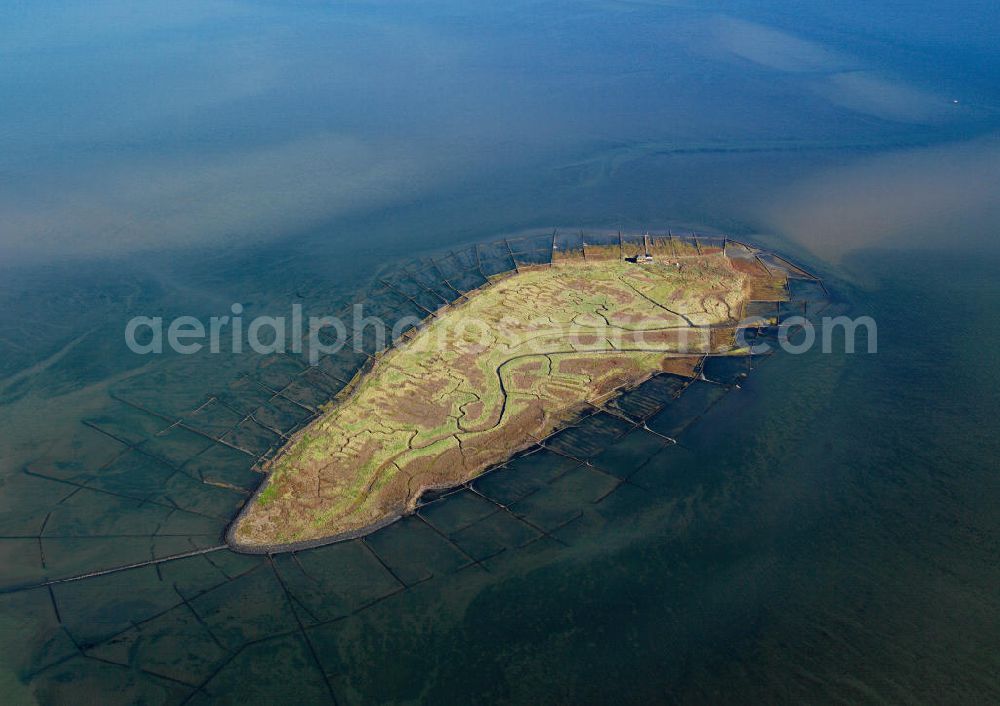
(357, 383)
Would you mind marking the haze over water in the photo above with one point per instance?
(836, 537)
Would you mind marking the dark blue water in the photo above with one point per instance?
(828, 532)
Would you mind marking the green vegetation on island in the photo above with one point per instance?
(496, 372)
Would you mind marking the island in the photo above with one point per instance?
(496, 371)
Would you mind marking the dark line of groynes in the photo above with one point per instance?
(114, 569)
(472, 561)
(281, 393)
(427, 289)
(413, 301)
(528, 448)
(479, 264)
(175, 422)
(103, 491)
(804, 271)
(539, 533)
(301, 628)
(531, 447)
(511, 253)
(363, 532)
(444, 280)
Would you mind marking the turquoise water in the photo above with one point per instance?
(827, 532)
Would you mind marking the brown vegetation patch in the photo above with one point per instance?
(602, 252)
(749, 266)
(567, 254)
(723, 339)
(424, 418)
(680, 366)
